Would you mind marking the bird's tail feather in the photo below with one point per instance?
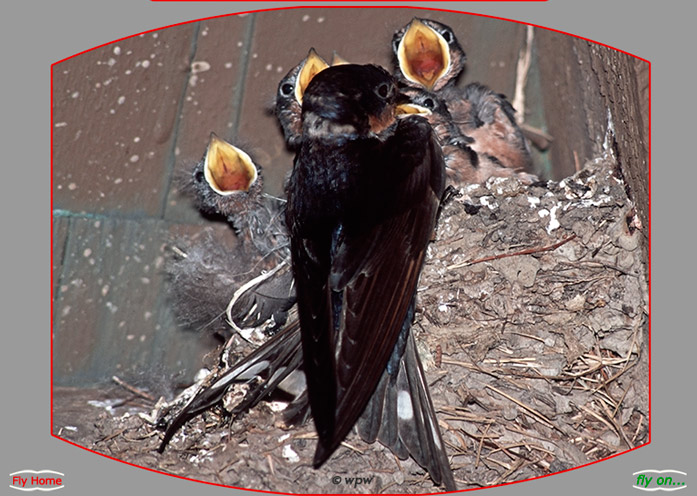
(263, 371)
(401, 416)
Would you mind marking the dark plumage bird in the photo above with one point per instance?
(358, 259)
(476, 126)
(362, 203)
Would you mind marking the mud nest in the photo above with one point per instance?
(532, 325)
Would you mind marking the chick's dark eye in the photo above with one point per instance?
(429, 104)
(286, 89)
(384, 90)
(448, 36)
(198, 176)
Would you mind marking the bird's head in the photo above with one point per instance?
(350, 100)
(428, 54)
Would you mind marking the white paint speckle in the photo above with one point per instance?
(320, 20)
(75, 94)
(72, 186)
(121, 100)
(199, 66)
(134, 159)
(145, 64)
(117, 50)
(60, 124)
(306, 18)
(87, 252)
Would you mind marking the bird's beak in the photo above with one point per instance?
(423, 54)
(405, 107)
(313, 65)
(228, 169)
(338, 59)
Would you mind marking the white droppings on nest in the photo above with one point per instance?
(277, 406)
(108, 405)
(533, 201)
(290, 454)
(553, 221)
(488, 201)
(201, 457)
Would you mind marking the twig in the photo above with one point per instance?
(530, 409)
(529, 251)
(133, 389)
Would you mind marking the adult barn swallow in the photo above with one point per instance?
(289, 96)
(362, 203)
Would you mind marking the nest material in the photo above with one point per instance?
(532, 319)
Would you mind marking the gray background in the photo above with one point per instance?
(36, 35)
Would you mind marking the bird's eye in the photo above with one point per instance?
(429, 103)
(286, 89)
(448, 36)
(384, 90)
(198, 176)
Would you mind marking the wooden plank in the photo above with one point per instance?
(211, 102)
(115, 110)
(112, 316)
